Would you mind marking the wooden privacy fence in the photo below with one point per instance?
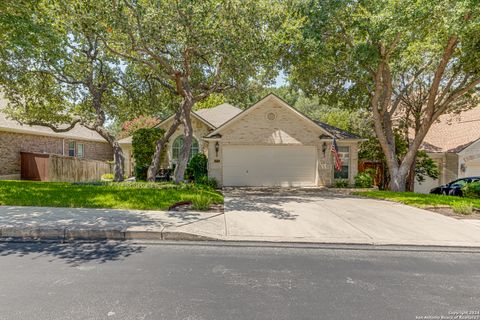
(51, 167)
(376, 166)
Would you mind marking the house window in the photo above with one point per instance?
(71, 149)
(80, 150)
(178, 145)
(344, 153)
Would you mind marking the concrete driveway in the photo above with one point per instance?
(324, 215)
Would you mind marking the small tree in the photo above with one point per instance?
(143, 146)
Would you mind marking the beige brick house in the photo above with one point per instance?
(268, 144)
(15, 138)
(454, 144)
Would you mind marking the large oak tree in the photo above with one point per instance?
(56, 72)
(197, 48)
(397, 58)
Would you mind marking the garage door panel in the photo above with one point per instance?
(473, 169)
(269, 166)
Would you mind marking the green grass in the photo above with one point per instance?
(137, 195)
(421, 200)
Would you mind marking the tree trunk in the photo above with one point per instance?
(118, 158)
(187, 142)
(119, 162)
(398, 182)
(153, 168)
(411, 176)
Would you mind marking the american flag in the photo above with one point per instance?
(338, 161)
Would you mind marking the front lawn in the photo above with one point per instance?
(144, 196)
(420, 200)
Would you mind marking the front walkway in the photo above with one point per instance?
(280, 215)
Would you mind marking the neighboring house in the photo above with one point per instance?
(454, 144)
(15, 138)
(268, 144)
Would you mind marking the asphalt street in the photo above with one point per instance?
(121, 280)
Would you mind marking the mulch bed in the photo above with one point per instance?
(185, 206)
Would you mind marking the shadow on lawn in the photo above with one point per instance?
(74, 253)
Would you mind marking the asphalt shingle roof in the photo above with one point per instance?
(218, 115)
(78, 132)
(453, 133)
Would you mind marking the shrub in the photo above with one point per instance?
(144, 144)
(365, 179)
(462, 208)
(197, 168)
(341, 183)
(472, 190)
(201, 202)
(209, 182)
(107, 176)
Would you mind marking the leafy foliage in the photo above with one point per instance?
(197, 167)
(365, 179)
(129, 127)
(341, 183)
(462, 208)
(471, 190)
(107, 176)
(425, 166)
(143, 144)
(206, 181)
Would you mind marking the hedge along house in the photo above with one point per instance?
(80, 143)
(453, 142)
(268, 144)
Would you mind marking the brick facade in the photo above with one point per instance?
(11, 144)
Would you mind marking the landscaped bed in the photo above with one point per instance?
(125, 195)
(447, 205)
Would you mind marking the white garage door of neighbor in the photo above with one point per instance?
(269, 166)
(473, 169)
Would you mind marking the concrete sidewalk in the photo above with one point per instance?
(308, 216)
(96, 224)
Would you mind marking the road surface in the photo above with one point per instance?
(214, 281)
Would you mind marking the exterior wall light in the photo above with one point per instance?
(217, 148)
(324, 148)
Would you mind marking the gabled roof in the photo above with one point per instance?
(337, 132)
(453, 133)
(219, 114)
(328, 130)
(78, 132)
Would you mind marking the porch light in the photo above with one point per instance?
(324, 148)
(217, 147)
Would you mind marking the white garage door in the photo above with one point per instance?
(269, 166)
(473, 169)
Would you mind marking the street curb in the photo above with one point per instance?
(90, 234)
(15, 234)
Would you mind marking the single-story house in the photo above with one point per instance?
(268, 144)
(453, 143)
(15, 138)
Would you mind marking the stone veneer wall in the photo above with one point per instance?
(11, 144)
(200, 130)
